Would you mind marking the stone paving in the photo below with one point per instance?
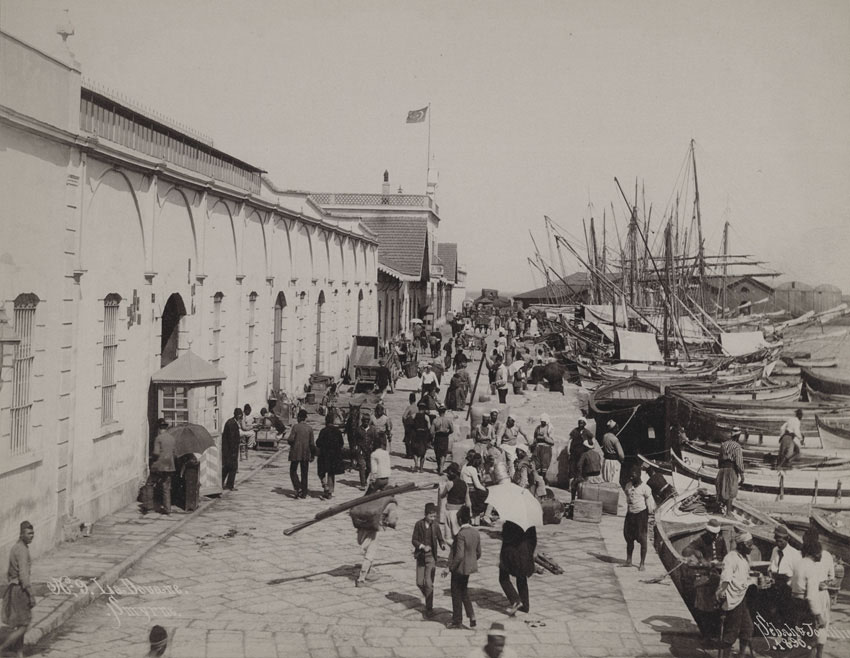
(244, 589)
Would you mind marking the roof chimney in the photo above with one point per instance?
(385, 190)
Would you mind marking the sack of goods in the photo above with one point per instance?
(375, 513)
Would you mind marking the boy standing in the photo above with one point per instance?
(636, 525)
(426, 538)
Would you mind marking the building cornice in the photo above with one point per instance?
(118, 155)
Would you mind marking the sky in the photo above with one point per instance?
(535, 108)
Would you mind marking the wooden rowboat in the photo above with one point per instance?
(815, 363)
(834, 531)
(765, 457)
(796, 485)
(680, 520)
(825, 384)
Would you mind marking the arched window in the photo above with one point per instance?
(252, 323)
(278, 360)
(169, 340)
(22, 368)
(215, 355)
(320, 305)
(109, 379)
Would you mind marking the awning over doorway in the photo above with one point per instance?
(188, 368)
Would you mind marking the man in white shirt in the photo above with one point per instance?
(247, 426)
(636, 525)
(734, 581)
(792, 426)
(379, 477)
(429, 380)
(784, 557)
(783, 562)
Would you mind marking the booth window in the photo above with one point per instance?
(216, 328)
(252, 321)
(109, 382)
(174, 405)
(22, 372)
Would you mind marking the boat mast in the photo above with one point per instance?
(723, 292)
(700, 244)
(594, 284)
(668, 272)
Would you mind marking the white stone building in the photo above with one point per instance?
(124, 240)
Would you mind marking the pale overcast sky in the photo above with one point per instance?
(536, 106)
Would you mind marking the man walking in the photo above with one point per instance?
(231, 436)
(302, 449)
(426, 538)
(329, 448)
(441, 429)
(18, 599)
(162, 470)
(734, 581)
(463, 561)
(379, 476)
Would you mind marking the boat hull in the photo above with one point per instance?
(673, 531)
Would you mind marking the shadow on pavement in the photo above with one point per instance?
(349, 571)
(682, 635)
(415, 603)
(606, 558)
(291, 493)
(482, 598)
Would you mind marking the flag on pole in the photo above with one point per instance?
(417, 116)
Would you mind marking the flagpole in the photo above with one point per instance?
(428, 164)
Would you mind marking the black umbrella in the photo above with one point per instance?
(190, 437)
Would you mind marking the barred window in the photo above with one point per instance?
(22, 368)
(216, 328)
(252, 321)
(109, 385)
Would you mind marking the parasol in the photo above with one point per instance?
(190, 437)
(516, 365)
(516, 504)
(416, 321)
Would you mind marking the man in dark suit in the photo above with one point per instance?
(463, 562)
(426, 538)
(230, 438)
(302, 450)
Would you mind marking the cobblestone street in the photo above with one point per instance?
(247, 590)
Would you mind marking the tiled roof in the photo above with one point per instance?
(448, 254)
(401, 242)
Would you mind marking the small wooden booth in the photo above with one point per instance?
(188, 390)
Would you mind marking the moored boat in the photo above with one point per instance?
(815, 363)
(680, 520)
(794, 485)
(761, 457)
(834, 531)
(824, 383)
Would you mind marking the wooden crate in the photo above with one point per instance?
(587, 511)
(608, 494)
